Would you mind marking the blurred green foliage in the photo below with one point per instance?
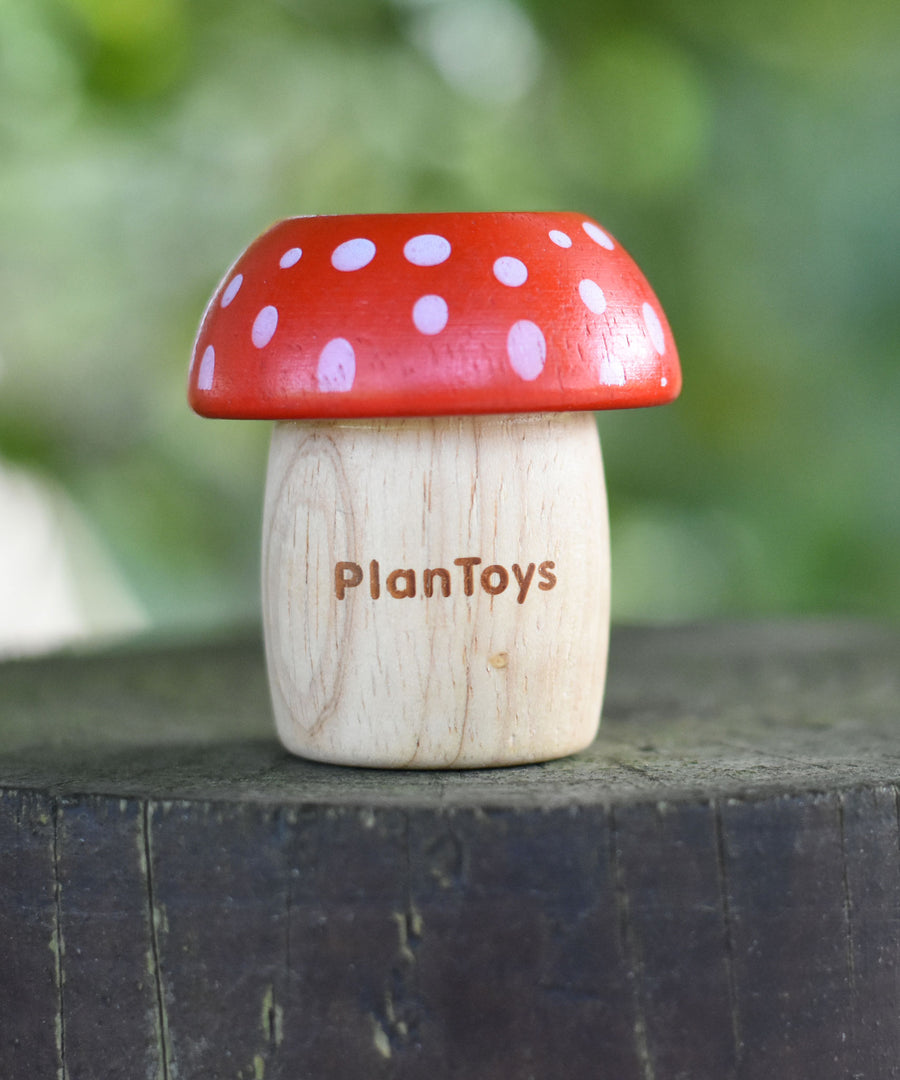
(745, 153)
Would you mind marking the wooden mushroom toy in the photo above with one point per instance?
(435, 547)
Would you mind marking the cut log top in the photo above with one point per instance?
(691, 712)
(711, 890)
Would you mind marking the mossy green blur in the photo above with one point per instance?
(745, 154)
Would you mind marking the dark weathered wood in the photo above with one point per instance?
(32, 1031)
(220, 903)
(713, 889)
(788, 935)
(518, 959)
(871, 856)
(109, 998)
(670, 879)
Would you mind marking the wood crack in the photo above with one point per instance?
(288, 916)
(58, 946)
(848, 906)
(721, 870)
(634, 961)
(638, 770)
(777, 755)
(153, 955)
(848, 919)
(399, 1018)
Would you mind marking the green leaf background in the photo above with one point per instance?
(747, 155)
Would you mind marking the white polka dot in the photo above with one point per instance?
(598, 235)
(232, 290)
(592, 295)
(560, 238)
(264, 326)
(337, 366)
(526, 349)
(611, 371)
(353, 254)
(654, 328)
(207, 369)
(290, 258)
(663, 381)
(510, 271)
(430, 314)
(428, 249)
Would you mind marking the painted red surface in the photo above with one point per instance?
(432, 314)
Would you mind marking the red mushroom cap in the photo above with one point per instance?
(378, 315)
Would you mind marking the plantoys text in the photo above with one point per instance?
(400, 584)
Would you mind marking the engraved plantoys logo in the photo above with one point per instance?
(402, 584)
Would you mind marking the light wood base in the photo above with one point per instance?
(436, 590)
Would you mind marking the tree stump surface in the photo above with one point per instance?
(711, 890)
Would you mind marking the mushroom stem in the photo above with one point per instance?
(436, 590)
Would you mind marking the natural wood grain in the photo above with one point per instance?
(711, 889)
(436, 591)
